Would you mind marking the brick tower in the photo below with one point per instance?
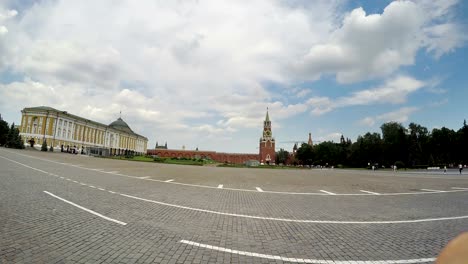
(267, 143)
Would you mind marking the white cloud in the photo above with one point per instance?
(400, 115)
(302, 93)
(376, 45)
(197, 66)
(393, 91)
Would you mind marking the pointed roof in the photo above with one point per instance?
(267, 118)
(119, 124)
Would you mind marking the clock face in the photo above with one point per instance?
(268, 133)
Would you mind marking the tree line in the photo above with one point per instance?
(9, 135)
(406, 147)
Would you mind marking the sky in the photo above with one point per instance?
(201, 73)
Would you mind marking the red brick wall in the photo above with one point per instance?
(216, 156)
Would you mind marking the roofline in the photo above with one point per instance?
(26, 109)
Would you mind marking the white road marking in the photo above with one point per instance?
(278, 219)
(112, 172)
(144, 177)
(86, 209)
(459, 188)
(83, 183)
(75, 181)
(314, 261)
(431, 190)
(101, 189)
(328, 192)
(92, 186)
(369, 192)
(259, 189)
(169, 180)
(220, 186)
(296, 220)
(234, 189)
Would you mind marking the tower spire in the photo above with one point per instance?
(267, 118)
(310, 139)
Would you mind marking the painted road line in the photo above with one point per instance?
(92, 186)
(259, 189)
(169, 180)
(86, 209)
(220, 186)
(234, 189)
(112, 172)
(431, 190)
(297, 220)
(364, 191)
(83, 183)
(301, 260)
(144, 177)
(111, 191)
(459, 188)
(328, 192)
(101, 189)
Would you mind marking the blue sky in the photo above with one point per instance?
(202, 73)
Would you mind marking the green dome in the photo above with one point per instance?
(119, 124)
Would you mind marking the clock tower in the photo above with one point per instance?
(267, 143)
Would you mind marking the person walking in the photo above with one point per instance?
(460, 168)
(445, 169)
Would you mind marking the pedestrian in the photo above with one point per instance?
(460, 168)
(445, 169)
(373, 168)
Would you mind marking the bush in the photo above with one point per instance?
(400, 164)
(158, 159)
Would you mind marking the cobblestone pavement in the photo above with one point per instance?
(373, 216)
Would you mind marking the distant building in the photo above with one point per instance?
(63, 130)
(309, 142)
(266, 151)
(267, 143)
(160, 147)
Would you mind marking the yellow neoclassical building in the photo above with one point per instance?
(63, 130)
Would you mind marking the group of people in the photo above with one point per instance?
(460, 168)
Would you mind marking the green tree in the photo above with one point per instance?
(462, 144)
(442, 144)
(305, 154)
(394, 143)
(327, 153)
(282, 156)
(14, 139)
(418, 140)
(367, 149)
(3, 131)
(44, 145)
